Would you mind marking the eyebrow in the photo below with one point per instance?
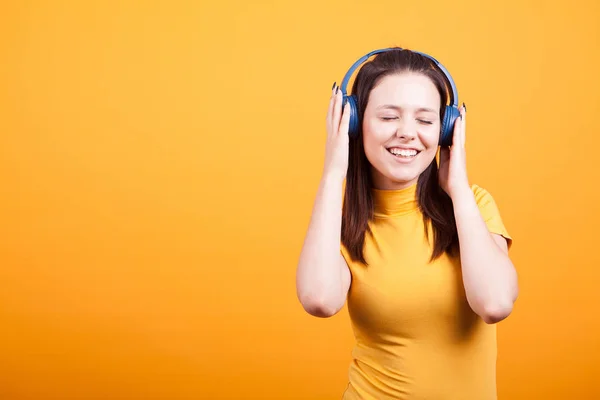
(397, 108)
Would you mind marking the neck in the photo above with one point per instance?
(381, 182)
(396, 201)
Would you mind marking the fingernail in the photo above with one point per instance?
(333, 85)
(336, 89)
(465, 106)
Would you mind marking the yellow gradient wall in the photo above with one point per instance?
(159, 160)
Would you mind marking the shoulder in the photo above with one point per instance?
(490, 211)
(480, 192)
(483, 197)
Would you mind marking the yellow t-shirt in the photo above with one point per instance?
(416, 336)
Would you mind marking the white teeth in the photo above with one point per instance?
(403, 153)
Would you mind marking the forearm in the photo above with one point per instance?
(319, 279)
(489, 276)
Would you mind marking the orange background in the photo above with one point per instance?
(159, 161)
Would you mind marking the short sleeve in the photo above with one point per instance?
(490, 213)
(352, 264)
(345, 253)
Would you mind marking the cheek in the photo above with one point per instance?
(371, 147)
(430, 137)
(375, 131)
(375, 136)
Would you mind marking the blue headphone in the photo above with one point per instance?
(450, 115)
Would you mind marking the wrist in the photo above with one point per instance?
(333, 177)
(462, 194)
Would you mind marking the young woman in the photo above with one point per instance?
(419, 252)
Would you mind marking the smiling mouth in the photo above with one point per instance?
(403, 153)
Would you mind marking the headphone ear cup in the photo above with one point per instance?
(354, 123)
(450, 116)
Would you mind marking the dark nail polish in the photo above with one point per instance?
(336, 89)
(333, 85)
(465, 106)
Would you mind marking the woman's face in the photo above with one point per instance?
(401, 129)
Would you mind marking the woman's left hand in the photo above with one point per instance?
(453, 161)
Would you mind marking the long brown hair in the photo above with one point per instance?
(358, 206)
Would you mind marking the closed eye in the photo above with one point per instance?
(423, 121)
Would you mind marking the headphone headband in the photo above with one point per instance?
(453, 91)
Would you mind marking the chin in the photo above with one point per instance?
(402, 174)
(396, 179)
(397, 173)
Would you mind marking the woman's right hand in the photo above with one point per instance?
(336, 149)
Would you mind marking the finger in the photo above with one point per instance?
(464, 124)
(337, 109)
(329, 118)
(345, 122)
(457, 134)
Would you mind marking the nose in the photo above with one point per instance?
(406, 130)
